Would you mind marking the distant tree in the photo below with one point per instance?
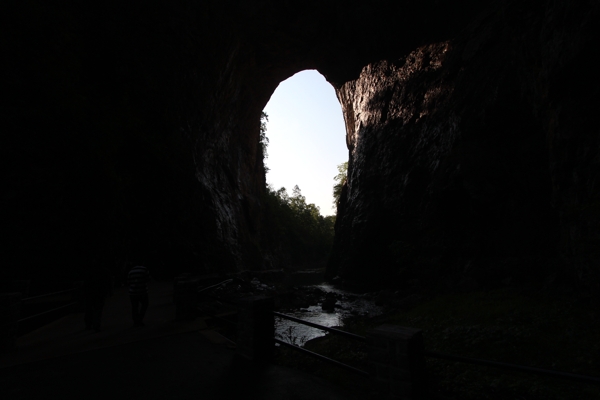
(306, 234)
(297, 201)
(283, 195)
(340, 180)
(300, 228)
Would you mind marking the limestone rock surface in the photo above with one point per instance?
(131, 132)
(463, 154)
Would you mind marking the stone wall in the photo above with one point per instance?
(458, 153)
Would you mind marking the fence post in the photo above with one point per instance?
(256, 328)
(396, 362)
(10, 309)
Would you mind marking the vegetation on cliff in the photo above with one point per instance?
(340, 180)
(264, 140)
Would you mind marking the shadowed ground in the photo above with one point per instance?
(166, 359)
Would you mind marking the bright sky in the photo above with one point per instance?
(307, 138)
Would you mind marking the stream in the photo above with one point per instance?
(347, 304)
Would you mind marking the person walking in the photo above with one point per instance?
(137, 280)
(96, 287)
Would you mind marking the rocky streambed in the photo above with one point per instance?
(321, 303)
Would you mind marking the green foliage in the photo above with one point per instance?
(305, 234)
(340, 180)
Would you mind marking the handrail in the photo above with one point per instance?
(478, 361)
(322, 358)
(489, 363)
(497, 364)
(47, 294)
(199, 291)
(214, 286)
(215, 297)
(325, 328)
(316, 355)
(46, 312)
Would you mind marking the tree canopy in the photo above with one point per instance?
(303, 233)
(300, 227)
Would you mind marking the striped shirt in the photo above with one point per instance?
(137, 279)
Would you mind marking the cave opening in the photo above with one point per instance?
(303, 143)
(306, 138)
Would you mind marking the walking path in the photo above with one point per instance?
(166, 359)
(68, 336)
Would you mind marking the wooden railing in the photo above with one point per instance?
(20, 314)
(43, 299)
(395, 354)
(320, 356)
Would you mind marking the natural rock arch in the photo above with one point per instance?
(134, 130)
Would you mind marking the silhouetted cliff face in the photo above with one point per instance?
(476, 156)
(132, 131)
(134, 136)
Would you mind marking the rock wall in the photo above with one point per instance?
(471, 158)
(131, 132)
(133, 136)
